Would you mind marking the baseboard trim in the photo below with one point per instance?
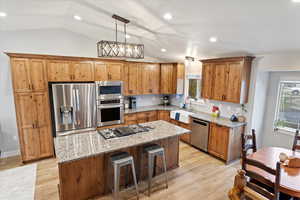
(7, 154)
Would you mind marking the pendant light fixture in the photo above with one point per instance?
(116, 49)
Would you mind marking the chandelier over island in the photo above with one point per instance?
(115, 49)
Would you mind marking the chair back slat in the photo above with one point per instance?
(296, 145)
(246, 146)
(261, 179)
(262, 191)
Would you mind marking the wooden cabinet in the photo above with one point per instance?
(106, 71)
(67, 71)
(207, 80)
(83, 71)
(185, 137)
(29, 75)
(150, 78)
(34, 125)
(164, 115)
(218, 141)
(168, 78)
(59, 71)
(133, 79)
(226, 79)
(130, 119)
(148, 116)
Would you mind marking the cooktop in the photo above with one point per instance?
(123, 131)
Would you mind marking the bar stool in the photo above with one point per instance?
(119, 160)
(154, 150)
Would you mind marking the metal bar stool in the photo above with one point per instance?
(154, 150)
(119, 160)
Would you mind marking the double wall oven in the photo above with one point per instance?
(110, 103)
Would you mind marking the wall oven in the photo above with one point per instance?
(110, 103)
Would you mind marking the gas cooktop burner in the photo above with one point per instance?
(123, 131)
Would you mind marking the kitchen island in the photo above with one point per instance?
(83, 159)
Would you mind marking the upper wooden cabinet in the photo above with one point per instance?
(67, 71)
(29, 75)
(133, 79)
(226, 79)
(105, 71)
(83, 71)
(150, 77)
(59, 71)
(168, 78)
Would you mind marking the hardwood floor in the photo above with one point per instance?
(199, 176)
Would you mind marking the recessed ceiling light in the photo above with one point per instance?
(77, 17)
(163, 50)
(213, 39)
(168, 16)
(3, 14)
(127, 36)
(296, 1)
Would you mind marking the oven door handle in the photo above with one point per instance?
(110, 106)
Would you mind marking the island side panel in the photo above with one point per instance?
(81, 179)
(92, 176)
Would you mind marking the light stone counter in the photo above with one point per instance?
(77, 146)
(196, 114)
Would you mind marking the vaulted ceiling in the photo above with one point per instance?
(242, 27)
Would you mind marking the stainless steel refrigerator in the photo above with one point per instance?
(74, 107)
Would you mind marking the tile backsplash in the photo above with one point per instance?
(148, 100)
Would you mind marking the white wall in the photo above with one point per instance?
(46, 41)
(277, 138)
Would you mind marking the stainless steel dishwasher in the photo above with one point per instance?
(199, 136)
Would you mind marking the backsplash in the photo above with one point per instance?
(148, 100)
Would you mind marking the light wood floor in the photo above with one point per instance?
(199, 176)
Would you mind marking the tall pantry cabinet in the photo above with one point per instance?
(32, 108)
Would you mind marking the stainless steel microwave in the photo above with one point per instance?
(109, 90)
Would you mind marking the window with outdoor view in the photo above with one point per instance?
(288, 106)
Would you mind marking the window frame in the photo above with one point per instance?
(285, 130)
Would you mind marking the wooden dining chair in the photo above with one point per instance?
(262, 185)
(248, 143)
(296, 145)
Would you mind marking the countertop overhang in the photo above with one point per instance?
(77, 146)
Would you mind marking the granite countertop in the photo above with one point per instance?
(77, 146)
(151, 108)
(196, 114)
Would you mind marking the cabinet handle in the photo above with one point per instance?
(32, 86)
(29, 86)
(33, 126)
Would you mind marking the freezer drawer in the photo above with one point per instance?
(199, 136)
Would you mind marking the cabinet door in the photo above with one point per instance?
(164, 115)
(59, 71)
(21, 74)
(233, 90)
(142, 117)
(218, 141)
(29, 137)
(167, 79)
(207, 80)
(38, 75)
(133, 78)
(101, 73)
(151, 116)
(83, 71)
(220, 81)
(114, 71)
(150, 78)
(43, 124)
(130, 119)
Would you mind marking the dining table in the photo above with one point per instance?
(290, 177)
